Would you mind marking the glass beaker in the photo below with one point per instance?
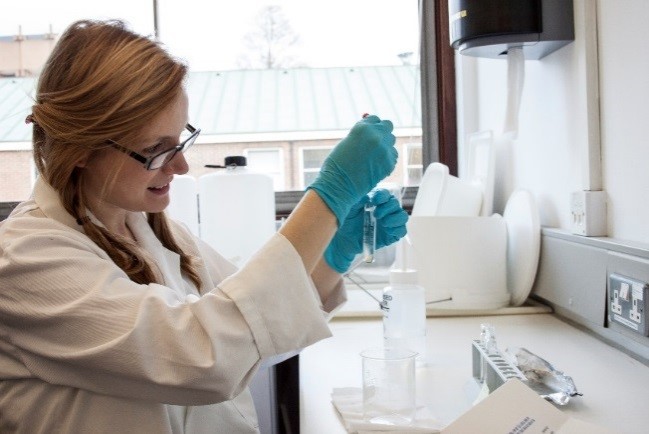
(389, 385)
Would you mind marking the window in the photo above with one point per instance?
(311, 161)
(333, 60)
(413, 169)
(305, 86)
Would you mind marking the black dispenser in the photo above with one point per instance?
(488, 28)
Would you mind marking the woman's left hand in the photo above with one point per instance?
(391, 221)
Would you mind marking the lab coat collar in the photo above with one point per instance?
(166, 262)
(49, 201)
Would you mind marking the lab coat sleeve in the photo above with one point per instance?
(280, 306)
(71, 317)
(218, 267)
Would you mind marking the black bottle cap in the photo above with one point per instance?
(236, 160)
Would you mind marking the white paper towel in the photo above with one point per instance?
(515, 80)
(349, 403)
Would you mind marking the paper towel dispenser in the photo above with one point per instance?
(488, 28)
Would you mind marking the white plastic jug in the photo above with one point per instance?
(237, 210)
(183, 203)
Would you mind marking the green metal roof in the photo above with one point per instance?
(266, 101)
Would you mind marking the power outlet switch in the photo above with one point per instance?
(627, 302)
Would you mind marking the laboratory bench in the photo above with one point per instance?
(615, 386)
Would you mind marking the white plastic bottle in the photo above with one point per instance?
(404, 308)
(183, 201)
(237, 209)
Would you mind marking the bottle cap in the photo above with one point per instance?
(402, 276)
(235, 160)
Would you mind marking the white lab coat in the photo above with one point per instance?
(83, 349)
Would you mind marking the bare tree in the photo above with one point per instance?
(406, 58)
(270, 44)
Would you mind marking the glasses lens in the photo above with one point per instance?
(186, 140)
(162, 159)
(184, 135)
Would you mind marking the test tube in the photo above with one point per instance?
(369, 232)
(369, 227)
(488, 340)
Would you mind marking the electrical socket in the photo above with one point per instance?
(588, 210)
(627, 302)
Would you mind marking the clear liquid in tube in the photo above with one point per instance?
(369, 233)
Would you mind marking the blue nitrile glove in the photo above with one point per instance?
(390, 218)
(391, 222)
(356, 165)
(348, 240)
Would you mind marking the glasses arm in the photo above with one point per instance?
(132, 154)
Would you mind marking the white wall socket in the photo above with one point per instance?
(588, 212)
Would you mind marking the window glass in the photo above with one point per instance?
(312, 159)
(37, 17)
(326, 65)
(413, 162)
(28, 32)
(299, 71)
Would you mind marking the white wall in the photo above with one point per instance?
(624, 94)
(561, 124)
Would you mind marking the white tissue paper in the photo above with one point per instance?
(515, 80)
(349, 403)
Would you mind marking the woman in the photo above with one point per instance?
(114, 318)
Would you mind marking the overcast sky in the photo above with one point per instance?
(209, 34)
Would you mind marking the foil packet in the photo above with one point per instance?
(542, 377)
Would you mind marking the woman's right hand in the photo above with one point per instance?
(360, 161)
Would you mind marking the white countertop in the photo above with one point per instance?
(366, 304)
(615, 386)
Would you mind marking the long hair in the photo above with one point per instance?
(103, 81)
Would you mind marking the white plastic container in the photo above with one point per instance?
(237, 210)
(183, 204)
(441, 194)
(404, 309)
(463, 258)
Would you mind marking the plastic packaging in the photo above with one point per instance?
(543, 377)
(237, 210)
(404, 307)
